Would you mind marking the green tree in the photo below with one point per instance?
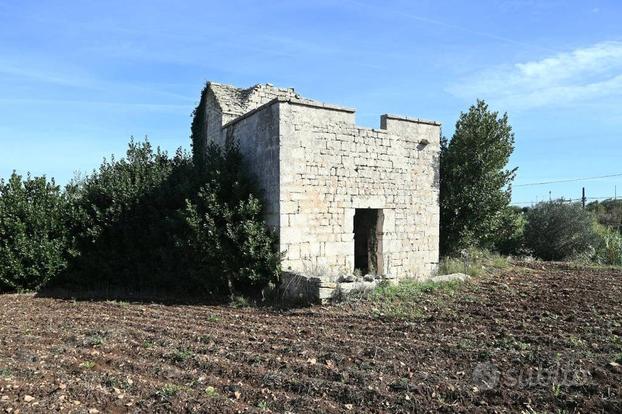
(509, 239)
(125, 218)
(34, 242)
(608, 213)
(475, 186)
(151, 223)
(227, 234)
(558, 230)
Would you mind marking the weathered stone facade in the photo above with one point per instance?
(318, 169)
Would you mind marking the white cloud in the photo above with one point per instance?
(583, 74)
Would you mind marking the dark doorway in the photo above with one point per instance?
(368, 240)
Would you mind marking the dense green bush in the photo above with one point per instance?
(34, 242)
(509, 237)
(226, 230)
(150, 223)
(125, 219)
(608, 213)
(559, 230)
(145, 224)
(609, 246)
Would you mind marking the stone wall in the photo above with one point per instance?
(330, 167)
(215, 120)
(258, 137)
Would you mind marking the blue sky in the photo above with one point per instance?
(78, 78)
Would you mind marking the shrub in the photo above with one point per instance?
(125, 219)
(608, 213)
(609, 246)
(474, 262)
(34, 242)
(150, 223)
(226, 229)
(558, 230)
(509, 237)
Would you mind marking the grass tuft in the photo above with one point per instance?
(168, 391)
(403, 300)
(181, 355)
(211, 392)
(240, 302)
(473, 262)
(411, 289)
(93, 340)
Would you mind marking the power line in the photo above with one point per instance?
(568, 200)
(568, 180)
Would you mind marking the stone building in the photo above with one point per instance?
(341, 197)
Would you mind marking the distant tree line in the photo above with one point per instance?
(608, 213)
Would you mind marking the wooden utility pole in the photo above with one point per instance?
(583, 197)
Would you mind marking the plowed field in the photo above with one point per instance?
(533, 339)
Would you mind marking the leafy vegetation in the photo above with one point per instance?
(198, 134)
(608, 213)
(211, 392)
(609, 246)
(510, 236)
(226, 231)
(473, 262)
(168, 391)
(127, 219)
(475, 184)
(558, 230)
(144, 224)
(402, 300)
(35, 245)
(475, 212)
(181, 355)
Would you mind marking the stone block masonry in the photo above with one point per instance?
(322, 176)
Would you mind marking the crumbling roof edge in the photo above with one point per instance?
(210, 89)
(308, 103)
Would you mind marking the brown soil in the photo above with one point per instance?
(529, 339)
